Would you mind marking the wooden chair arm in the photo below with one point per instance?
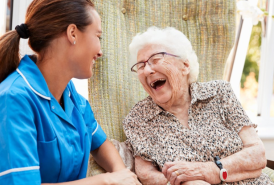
(270, 164)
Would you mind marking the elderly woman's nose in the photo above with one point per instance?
(148, 70)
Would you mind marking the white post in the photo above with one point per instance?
(19, 12)
(3, 16)
(240, 56)
(266, 74)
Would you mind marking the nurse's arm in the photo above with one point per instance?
(108, 157)
(98, 179)
(123, 177)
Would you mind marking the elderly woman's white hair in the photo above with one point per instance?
(171, 38)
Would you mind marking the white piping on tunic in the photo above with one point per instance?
(19, 170)
(95, 129)
(45, 97)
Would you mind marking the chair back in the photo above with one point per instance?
(113, 89)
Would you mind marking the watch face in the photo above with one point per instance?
(223, 174)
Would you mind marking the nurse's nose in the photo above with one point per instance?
(99, 54)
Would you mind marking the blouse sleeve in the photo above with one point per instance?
(232, 112)
(138, 140)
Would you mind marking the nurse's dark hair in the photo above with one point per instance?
(46, 20)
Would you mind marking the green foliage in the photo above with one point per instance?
(253, 54)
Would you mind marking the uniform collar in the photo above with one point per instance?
(33, 77)
(198, 91)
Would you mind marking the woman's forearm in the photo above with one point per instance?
(247, 163)
(212, 174)
(108, 157)
(148, 174)
(153, 178)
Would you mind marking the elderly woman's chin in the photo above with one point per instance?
(162, 96)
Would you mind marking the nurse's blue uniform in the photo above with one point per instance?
(39, 141)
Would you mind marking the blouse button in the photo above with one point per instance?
(53, 107)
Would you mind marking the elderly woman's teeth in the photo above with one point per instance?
(158, 83)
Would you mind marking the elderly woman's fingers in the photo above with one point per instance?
(175, 168)
(173, 178)
(179, 180)
(171, 172)
(196, 182)
(166, 166)
(187, 171)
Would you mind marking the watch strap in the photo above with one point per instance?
(223, 172)
(218, 162)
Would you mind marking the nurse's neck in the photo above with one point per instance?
(55, 77)
(55, 72)
(55, 66)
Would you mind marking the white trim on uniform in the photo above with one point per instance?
(95, 129)
(45, 97)
(19, 170)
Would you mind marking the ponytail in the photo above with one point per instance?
(9, 54)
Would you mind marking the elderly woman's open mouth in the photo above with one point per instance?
(156, 84)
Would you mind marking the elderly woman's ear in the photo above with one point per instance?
(186, 67)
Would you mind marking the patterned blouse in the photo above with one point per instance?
(215, 119)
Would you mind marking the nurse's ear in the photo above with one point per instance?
(72, 33)
(186, 67)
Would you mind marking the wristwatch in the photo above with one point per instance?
(223, 172)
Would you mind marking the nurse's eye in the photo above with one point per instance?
(100, 38)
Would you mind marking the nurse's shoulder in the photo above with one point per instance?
(16, 99)
(14, 85)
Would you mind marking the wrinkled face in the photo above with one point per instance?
(162, 81)
(88, 47)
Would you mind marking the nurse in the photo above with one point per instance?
(47, 130)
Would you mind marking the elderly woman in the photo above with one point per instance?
(186, 132)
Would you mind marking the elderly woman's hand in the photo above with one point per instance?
(197, 182)
(245, 164)
(181, 171)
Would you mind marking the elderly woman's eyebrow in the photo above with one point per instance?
(148, 58)
(140, 61)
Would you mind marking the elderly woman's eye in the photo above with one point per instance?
(140, 66)
(155, 60)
